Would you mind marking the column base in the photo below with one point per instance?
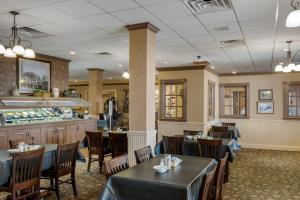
(138, 140)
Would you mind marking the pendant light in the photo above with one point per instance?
(15, 45)
(293, 19)
(290, 65)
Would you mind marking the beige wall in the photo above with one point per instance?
(267, 131)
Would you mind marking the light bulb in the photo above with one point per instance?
(18, 49)
(292, 66)
(126, 75)
(2, 49)
(286, 69)
(9, 53)
(279, 68)
(293, 19)
(29, 53)
(297, 68)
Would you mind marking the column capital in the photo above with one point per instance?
(145, 25)
(95, 69)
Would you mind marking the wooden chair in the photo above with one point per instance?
(207, 185)
(219, 129)
(217, 191)
(95, 147)
(173, 145)
(65, 164)
(228, 124)
(189, 132)
(13, 144)
(210, 148)
(116, 165)
(119, 143)
(143, 154)
(221, 135)
(25, 183)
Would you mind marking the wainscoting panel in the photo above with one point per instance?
(169, 128)
(269, 134)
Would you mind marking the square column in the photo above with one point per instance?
(142, 44)
(95, 90)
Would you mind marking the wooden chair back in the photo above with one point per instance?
(220, 177)
(221, 135)
(143, 154)
(119, 143)
(95, 141)
(207, 184)
(210, 148)
(228, 124)
(116, 165)
(26, 173)
(219, 129)
(13, 144)
(189, 132)
(173, 144)
(66, 159)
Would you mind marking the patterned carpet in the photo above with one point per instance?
(255, 175)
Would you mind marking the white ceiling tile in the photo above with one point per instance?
(153, 2)
(196, 31)
(21, 4)
(182, 22)
(232, 27)
(114, 5)
(230, 36)
(78, 8)
(200, 39)
(169, 10)
(75, 25)
(103, 20)
(130, 16)
(221, 17)
(47, 13)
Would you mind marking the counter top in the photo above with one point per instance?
(42, 123)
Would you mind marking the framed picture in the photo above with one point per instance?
(33, 75)
(265, 107)
(265, 94)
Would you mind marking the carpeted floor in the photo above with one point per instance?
(255, 175)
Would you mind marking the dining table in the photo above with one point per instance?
(48, 161)
(142, 182)
(191, 147)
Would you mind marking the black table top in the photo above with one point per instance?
(181, 176)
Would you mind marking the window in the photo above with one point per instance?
(211, 100)
(234, 100)
(291, 100)
(173, 99)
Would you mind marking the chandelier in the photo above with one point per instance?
(288, 66)
(293, 19)
(15, 45)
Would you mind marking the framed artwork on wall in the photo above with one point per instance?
(33, 75)
(265, 107)
(265, 94)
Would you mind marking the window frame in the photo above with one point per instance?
(286, 99)
(221, 100)
(163, 84)
(213, 97)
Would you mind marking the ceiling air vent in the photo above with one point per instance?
(104, 54)
(204, 6)
(231, 43)
(221, 28)
(32, 33)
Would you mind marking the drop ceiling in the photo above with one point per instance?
(88, 27)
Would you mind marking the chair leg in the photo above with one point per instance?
(74, 185)
(89, 163)
(51, 182)
(57, 188)
(101, 159)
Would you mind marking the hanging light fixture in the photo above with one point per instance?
(293, 19)
(15, 46)
(290, 66)
(125, 74)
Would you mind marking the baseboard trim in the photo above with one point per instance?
(271, 147)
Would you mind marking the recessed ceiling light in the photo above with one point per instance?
(109, 78)
(234, 72)
(212, 67)
(72, 52)
(285, 49)
(165, 62)
(120, 65)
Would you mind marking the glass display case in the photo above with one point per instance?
(22, 110)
